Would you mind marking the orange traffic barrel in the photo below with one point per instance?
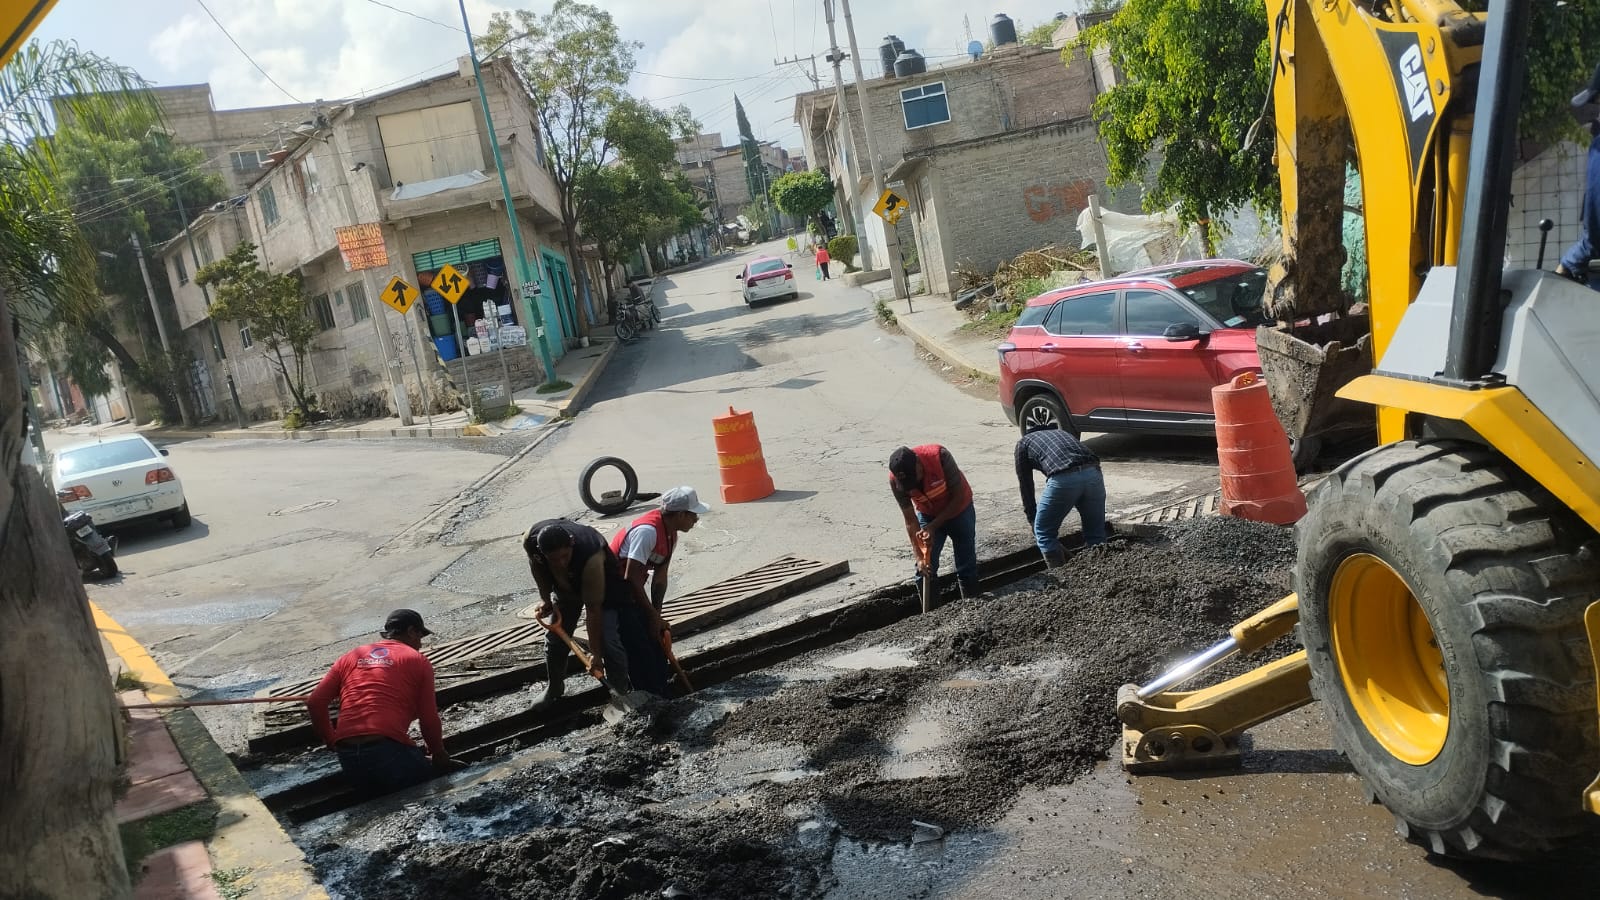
(1258, 480)
(744, 469)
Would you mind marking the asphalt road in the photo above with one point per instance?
(298, 549)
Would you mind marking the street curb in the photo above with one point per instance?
(247, 835)
(310, 434)
(943, 351)
(572, 405)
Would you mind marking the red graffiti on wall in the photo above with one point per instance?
(1047, 201)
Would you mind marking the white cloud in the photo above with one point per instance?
(343, 48)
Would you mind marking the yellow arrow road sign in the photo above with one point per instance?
(450, 283)
(399, 295)
(890, 206)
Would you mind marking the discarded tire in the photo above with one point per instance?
(608, 505)
(1441, 608)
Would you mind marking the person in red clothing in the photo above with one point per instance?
(936, 502)
(645, 547)
(822, 261)
(382, 688)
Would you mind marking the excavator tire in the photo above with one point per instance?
(1441, 606)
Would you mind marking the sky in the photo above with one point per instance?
(695, 52)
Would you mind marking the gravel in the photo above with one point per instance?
(1007, 691)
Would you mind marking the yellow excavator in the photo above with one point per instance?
(1446, 581)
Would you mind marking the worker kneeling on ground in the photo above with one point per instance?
(381, 689)
(645, 547)
(576, 572)
(936, 502)
(1072, 481)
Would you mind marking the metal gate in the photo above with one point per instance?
(200, 381)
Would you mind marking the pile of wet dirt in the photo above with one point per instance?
(742, 790)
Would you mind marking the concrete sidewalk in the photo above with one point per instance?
(938, 327)
(174, 768)
(581, 368)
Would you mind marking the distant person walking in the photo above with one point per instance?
(822, 261)
(1072, 481)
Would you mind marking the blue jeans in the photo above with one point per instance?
(1081, 489)
(961, 531)
(384, 766)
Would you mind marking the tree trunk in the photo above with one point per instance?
(133, 369)
(569, 230)
(59, 736)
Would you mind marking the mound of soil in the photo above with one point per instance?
(1024, 683)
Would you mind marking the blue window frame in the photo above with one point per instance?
(925, 105)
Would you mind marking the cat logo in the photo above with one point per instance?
(1418, 98)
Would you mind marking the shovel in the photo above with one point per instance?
(621, 704)
(930, 583)
(666, 646)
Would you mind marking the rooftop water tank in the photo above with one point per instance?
(909, 63)
(1002, 30)
(888, 51)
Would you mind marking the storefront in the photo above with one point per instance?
(485, 316)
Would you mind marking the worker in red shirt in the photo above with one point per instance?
(382, 688)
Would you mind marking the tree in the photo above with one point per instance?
(804, 194)
(119, 176)
(755, 171)
(58, 736)
(274, 308)
(1191, 89)
(575, 66)
(1040, 35)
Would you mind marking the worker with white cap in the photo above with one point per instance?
(645, 546)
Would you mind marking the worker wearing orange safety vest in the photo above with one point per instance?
(645, 546)
(936, 502)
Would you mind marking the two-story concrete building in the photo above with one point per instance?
(995, 154)
(415, 165)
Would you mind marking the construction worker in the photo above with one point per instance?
(1581, 262)
(382, 688)
(577, 572)
(936, 502)
(1072, 481)
(645, 546)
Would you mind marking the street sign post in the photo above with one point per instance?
(890, 206)
(400, 296)
(450, 283)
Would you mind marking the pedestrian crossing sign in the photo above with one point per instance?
(890, 206)
(399, 295)
(450, 283)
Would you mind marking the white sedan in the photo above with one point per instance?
(119, 479)
(767, 278)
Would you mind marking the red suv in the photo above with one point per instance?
(1140, 352)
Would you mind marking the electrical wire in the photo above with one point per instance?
(246, 55)
(406, 12)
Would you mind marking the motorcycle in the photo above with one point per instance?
(94, 553)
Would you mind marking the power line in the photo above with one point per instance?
(245, 54)
(407, 12)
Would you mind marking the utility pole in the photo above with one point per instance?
(897, 268)
(852, 178)
(816, 82)
(161, 328)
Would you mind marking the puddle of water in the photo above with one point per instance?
(917, 750)
(873, 658)
(872, 871)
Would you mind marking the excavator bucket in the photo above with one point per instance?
(1591, 623)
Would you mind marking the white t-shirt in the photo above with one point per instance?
(640, 544)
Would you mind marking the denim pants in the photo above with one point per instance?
(384, 766)
(1081, 489)
(634, 662)
(961, 531)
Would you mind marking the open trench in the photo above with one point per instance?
(862, 754)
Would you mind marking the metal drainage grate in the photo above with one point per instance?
(687, 614)
(1192, 507)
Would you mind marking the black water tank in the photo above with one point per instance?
(887, 52)
(909, 63)
(1002, 30)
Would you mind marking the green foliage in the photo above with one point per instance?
(229, 882)
(885, 314)
(803, 194)
(275, 309)
(1191, 89)
(191, 823)
(1561, 58)
(842, 249)
(553, 387)
(127, 681)
(760, 217)
(1039, 35)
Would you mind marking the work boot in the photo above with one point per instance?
(1055, 559)
(969, 588)
(555, 669)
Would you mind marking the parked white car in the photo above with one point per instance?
(119, 480)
